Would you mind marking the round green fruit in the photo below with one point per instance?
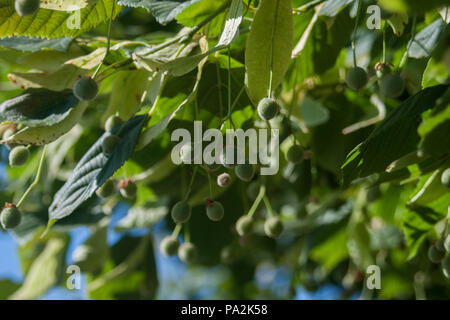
(447, 243)
(6, 135)
(109, 143)
(112, 122)
(85, 89)
(19, 156)
(273, 227)
(295, 154)
(435, 255)
(26, 7)
(187, 252)
(356, 78)
(214, 211)
(383, 69)
(445, 178)
(268, 108)
(245, 172)
(169, 246)
(392, 86)
(181, 212)
(223, 180)
(127, 188)
(244, 225)
(10, 216)
(107, 189)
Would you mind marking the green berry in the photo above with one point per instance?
(295, 154)
(268, 108)
(392, 86)
(187, 252)
(435, 255)
(227, 255)
(373, 193)
(356, 78)
(169, 246)
(6, 135)
(223, 180)
(383, 69)
(112, 122)
(10, 216)
(19, 156)
(127, 188)
(245, 172)
(273, 227)
(107, 189)
(244, 225)
(26, 7)
(214, 210)
(445, 178)
(109, 144)
(181, 212)
(85, 89)
(253, 190)
(447, 243)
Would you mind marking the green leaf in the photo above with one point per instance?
(94, 169)
(45, 272)
(313, 112)
(198, 11)
(332, 7)
(398, 23)
(395, 137)
(417, 222)
(38, 107)
(47, 134)
(181, 66)
(164, 11)
(266, 34)
(142, 217)
(7, 288)
(412, 5)
(127, 91)
(53, 24)
(35, 44)
(425, 41)
(66, 5)
(435, 133)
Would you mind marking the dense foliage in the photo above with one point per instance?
(91, 91)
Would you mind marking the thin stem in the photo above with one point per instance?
(355, 30)
(384, 42)
(210, 184)
(190, 184)
(176, 230)
(229, 89)
(268, 206)
(261, 194)
(269, 94)
(307, 6)
(187, 233)
(36, 180)
(108, 40)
